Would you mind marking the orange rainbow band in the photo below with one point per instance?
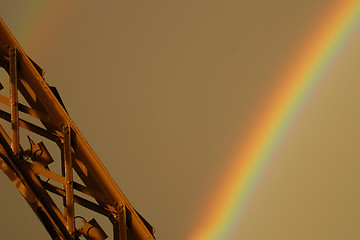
(311, 65)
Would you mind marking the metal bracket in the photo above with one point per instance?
(120, 229)
(14, 102)
(68, 186)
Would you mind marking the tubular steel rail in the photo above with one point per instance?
(27, 168)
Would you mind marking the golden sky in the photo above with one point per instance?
(163, 89)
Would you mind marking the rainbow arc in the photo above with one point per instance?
(308, 69)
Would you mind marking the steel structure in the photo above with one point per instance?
(27, 169)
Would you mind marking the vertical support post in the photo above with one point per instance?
(120, 224)
(69, 191)
(14, 102)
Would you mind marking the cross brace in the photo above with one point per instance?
(46, 118)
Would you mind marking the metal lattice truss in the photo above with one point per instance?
(27, 168)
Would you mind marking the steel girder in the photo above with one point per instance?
(26, 168)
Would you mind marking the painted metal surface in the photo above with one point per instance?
(26, 167)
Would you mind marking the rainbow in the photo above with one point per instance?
(34, 20)
(308, 69)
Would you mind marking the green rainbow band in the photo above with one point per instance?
(308, 71)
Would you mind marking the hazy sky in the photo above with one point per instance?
(162, 90)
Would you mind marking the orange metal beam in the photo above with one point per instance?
(76, 151)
